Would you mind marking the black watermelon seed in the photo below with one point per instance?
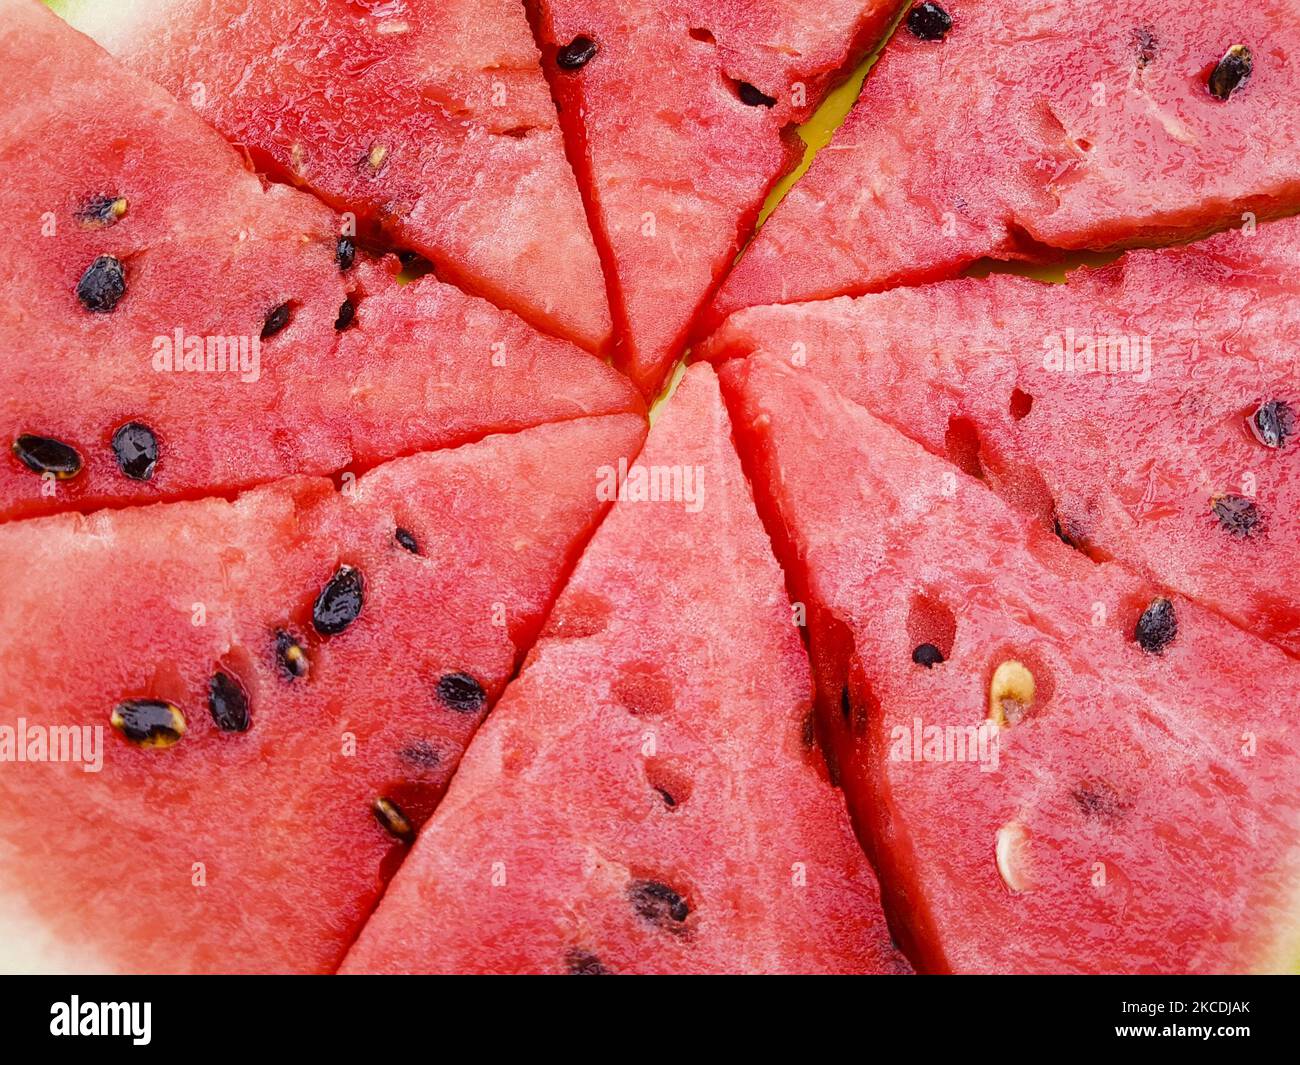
(927, 655)
(1157, 626)
(576, 54)
(407, 540)
(1233, 69)
(929, 21)
(149, 722)
(659, 904)
(393, 820)
(667, 797)
(276, 319)
(846, 708)
(339, 602)
(291, 654)
(583, 963)
(1237, 515)
(228, 703)
(1273, 423)
(345, 254)
(102, 211)
(752, 96)
(462, 693)
(347, 312)
(102, 285)
(136, 449)
(41, 454)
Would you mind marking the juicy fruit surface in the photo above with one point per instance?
(719, 84)
(1067, 125)
(1156, 458)
(260, 850)
(431, 122)
(1141, 814)
(568, 845)
(207, 250)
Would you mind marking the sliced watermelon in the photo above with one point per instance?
(430, 121)
(316, 739)
(679, 119)
(648, 797)
(92, 412)
(1178, 453)
(1056, 765)
(1021, 131)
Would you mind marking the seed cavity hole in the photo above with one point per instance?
(1011, 853)
(643, 691)
(931, 630)
(751, 95)
(963, 444)
(670, 780)
(1021, 404)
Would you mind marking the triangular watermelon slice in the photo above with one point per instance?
(648, 796)
(431, 122)
(1057, 765)
(1013, 133)
(150, 259)
(316, 738)
(1148, 411)
(679, 119)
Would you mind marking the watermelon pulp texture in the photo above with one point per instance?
(260, 850)
(720, 84)
(648, 797)
(431, 122)
(1140, 814)
(1178, 453)
(205, 249)
(1023, 132)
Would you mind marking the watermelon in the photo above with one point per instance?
(1058, 765)
(648, 796)
(282, 684)
(679, 117)
(431, 123)
(145, 235)
(1015, 133)
(1147, 411)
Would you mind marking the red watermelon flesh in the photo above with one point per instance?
(679, 121)
(1179, 454)
(206, 249)
(1141, 813)
(276, 821)
(1069, 124)
(431, 121)
(646, 798)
